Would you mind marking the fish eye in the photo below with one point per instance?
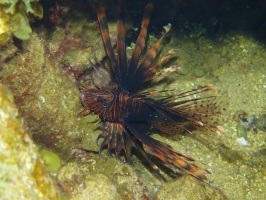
(105, 104)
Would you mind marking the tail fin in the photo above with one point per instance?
(202, 112)
(169, 156)
(184, 109)
(119, 138)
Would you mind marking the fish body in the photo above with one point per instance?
(128, 118)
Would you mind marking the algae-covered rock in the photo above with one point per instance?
(47, 98)
(14, 18)
(261, 122)
(22, 174)
(80, 184)
(188, 188)
(31, 6)
(5, 32)
(98, 186)
(105, 179)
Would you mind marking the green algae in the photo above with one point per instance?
(23, 31)
(51, 160)
(15, 16)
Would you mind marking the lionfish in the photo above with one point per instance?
(128, 118)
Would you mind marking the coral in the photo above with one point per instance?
(14, 18)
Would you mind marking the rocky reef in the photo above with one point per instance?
(48, 152)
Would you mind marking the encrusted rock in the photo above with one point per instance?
(22, 174)
(188, 188)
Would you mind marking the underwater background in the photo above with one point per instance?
(48, 152)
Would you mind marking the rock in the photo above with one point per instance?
(79, 184)
(189, 188)
(98, 186)
(261, 122)
(49, 111)
(22, 174)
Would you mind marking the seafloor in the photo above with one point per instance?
(48, 152)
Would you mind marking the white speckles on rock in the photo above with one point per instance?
(42, 99)
(242, 141)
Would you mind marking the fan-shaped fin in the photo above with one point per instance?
(203, 112)
(206, 110)
(117, 139)
(101, 75)
(141, 41)
(121, 45)
(84, 112)
(106, 40)
(144, 70)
